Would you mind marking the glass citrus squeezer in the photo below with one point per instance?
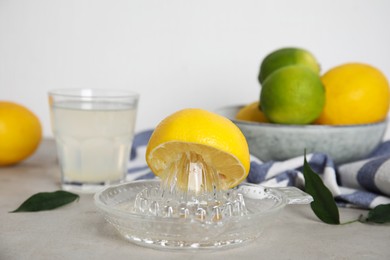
(188, 208)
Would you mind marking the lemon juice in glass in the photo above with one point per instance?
(93, 130)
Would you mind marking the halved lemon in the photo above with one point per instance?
(197, 135)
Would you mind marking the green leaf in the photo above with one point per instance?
(46, 201)
(379, 214)
(323, 206)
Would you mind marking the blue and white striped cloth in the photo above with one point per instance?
(363, 184)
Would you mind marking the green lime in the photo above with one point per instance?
(292, 95)
(285, 57)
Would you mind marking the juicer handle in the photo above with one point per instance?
(294, 195)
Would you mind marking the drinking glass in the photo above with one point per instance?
(93, 129)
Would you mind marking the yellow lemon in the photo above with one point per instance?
(356, 93)
(20, 133)
(211, 138)
(252, 113)
(292, 95)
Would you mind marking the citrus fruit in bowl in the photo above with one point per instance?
(278, 142)
(251, 112)
(292, 95)
(356, 93)
(285, 57)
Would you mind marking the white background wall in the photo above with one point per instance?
(175, 53)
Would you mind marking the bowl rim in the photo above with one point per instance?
(311, 126)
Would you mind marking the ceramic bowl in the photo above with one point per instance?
(280, 142)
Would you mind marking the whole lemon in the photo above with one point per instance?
(356, 93)
(20, 133)
(285, 57)
(292, 95)
(251, 112)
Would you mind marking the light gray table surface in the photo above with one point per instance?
(78, 230)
